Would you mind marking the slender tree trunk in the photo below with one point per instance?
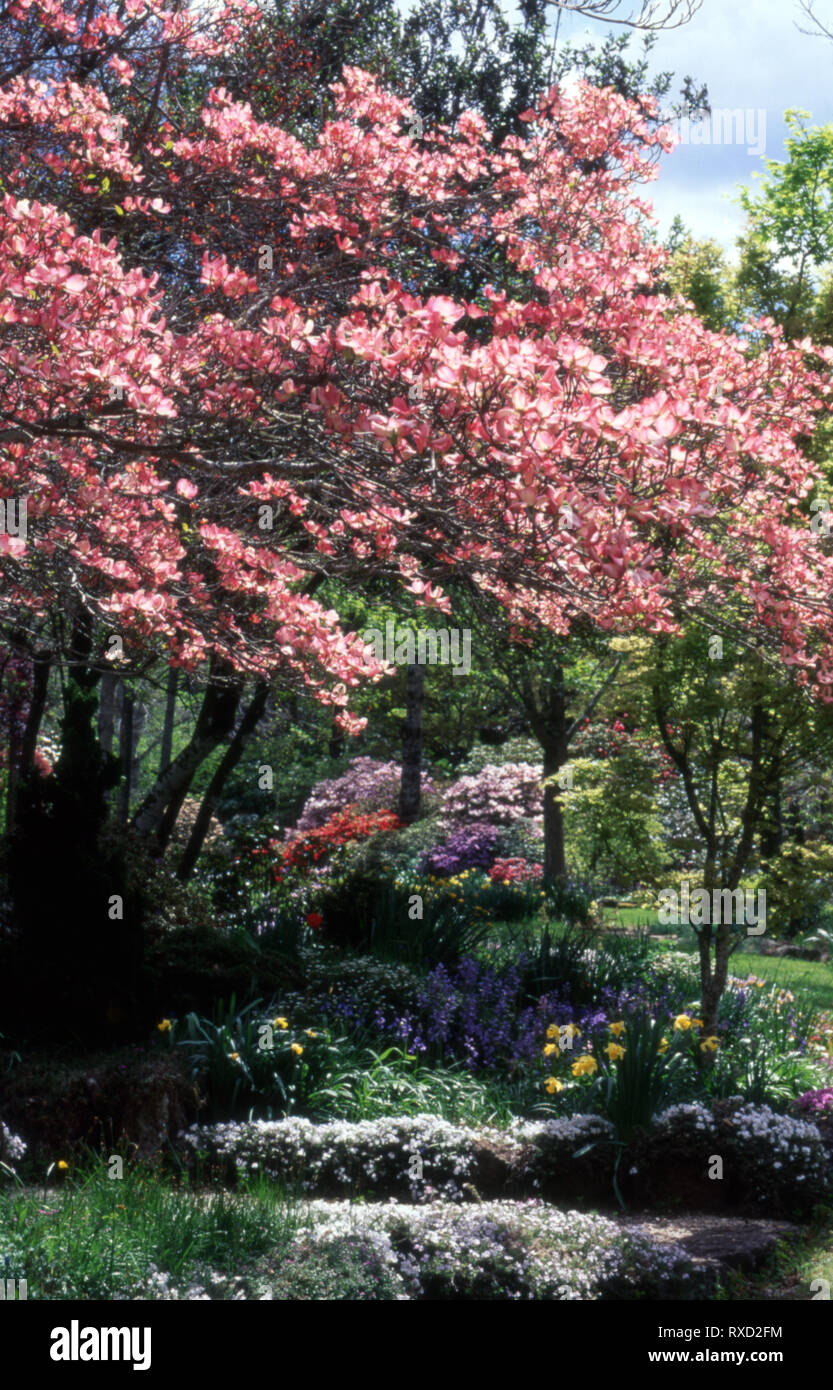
(22, 751)
(409, 789)
(107, 711)
(214, 723)
(170, 712)
(555, 859)
(126, 751)
(230, 759)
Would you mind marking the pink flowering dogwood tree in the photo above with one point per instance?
(230, 370)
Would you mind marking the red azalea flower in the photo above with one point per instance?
(315, 920)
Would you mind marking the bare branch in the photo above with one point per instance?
(820, 30)
(651, 15)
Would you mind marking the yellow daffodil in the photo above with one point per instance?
(664, 1045)
(553, 1030)
(552, 1084)
(682, 1023)
(617, 1029)
(709, 1045)
(585, 1066)
(62, 1165)
(281, 1022)
(614, 1051)
(297, 1049)
(697, 1023)
(310, 1033)
(550, 1049)
(164, 1026)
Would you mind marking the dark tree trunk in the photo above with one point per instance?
(126, 754)
(229, 761)
(214, 723)
(107, 711)
(555, 859)
(170, 712)
(409, 790)
(22, 753)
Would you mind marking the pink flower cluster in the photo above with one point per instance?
(515, 871)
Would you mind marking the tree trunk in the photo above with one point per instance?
(22, 753)
(214, 723)
(107, 711)
(409, 789)
(555, 859)
(229, 761)
(170, 712)
(126, 752)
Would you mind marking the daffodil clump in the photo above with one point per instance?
(597, 1055)
(478, 893)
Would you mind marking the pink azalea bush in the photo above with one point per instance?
(515, 871)
(368, 783)
(499, 795)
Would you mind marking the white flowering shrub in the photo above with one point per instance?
(419, 1155)
(782, 1161)
(686, 1120)
(495, 795)
(12, 1149)
(550, 1153)
(509, 1250)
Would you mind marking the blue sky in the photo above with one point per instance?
(753, 57)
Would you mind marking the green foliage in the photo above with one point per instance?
(192, 967)
(790, 228)
(247, 1061)
(797, 885)
(583, 963)
(95, 1238)
(630, 1090)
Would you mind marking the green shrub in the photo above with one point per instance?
(797, 884)
(192, 967)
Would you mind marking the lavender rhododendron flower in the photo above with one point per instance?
(470, 847)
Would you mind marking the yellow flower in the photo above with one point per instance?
(697, 1023)
(663, 1046)
(310, 1033)
(550, 1049)
(282, 1022)
(552, 1084)
(234, 1056)
(614, 1051)
(164, 1026)
(297, 1048)
(585, 1066)
(709, 1045)
(617, 1029)
(553, 1030)
(682, 1023)
(62, 1165)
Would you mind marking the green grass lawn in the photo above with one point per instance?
(811, 980)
